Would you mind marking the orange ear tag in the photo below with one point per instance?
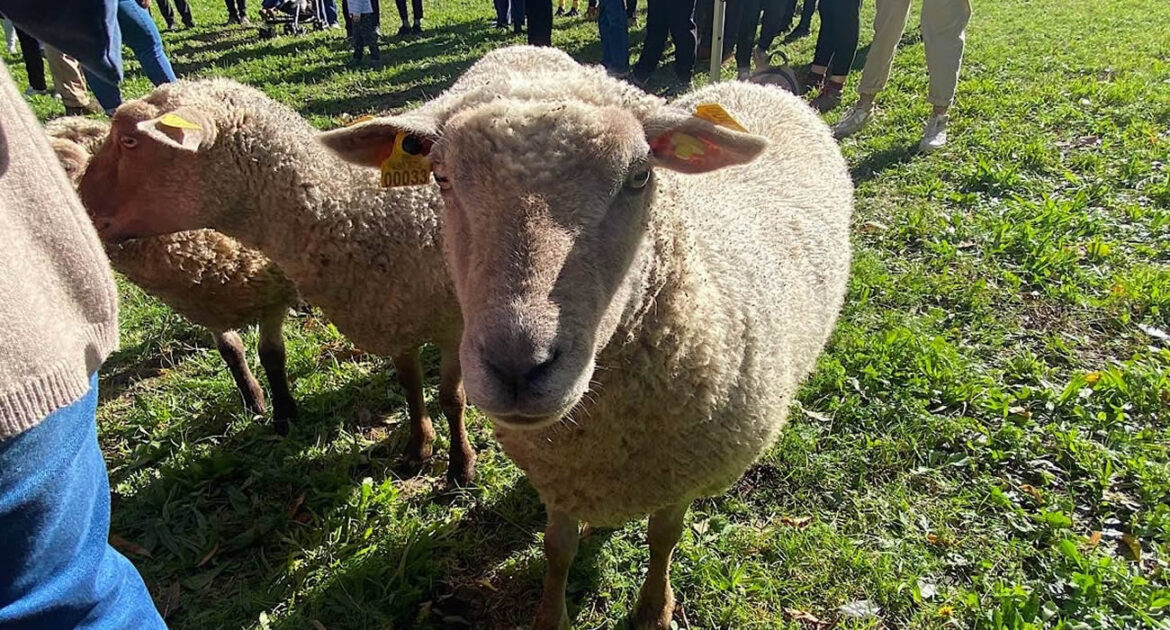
(404, 168)
(359, 120)
(716, 115)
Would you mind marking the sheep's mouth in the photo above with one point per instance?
(521, 422)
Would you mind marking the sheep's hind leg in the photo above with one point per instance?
(461, 468)
(273, 360)
(231, 348)
(560, 545)
(656, 600)
(422, 434)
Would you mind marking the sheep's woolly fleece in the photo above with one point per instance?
(370, 258)
(747, 273)
(205, 276)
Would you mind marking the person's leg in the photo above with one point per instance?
(657, 28)
(108, 94)
(10, 35)
(141, 35)
(826, 39)
(167, 13)
(30, 49)
(540, 16)
(745, 42)
(185, 13)
(371, 26)
(417, 6)
(518, 15)
(67, 79)
(403, 16)
(59, 569)
(806, 15)
(631, 9)
(775, 12)
(501, 13)
(331, 13)
(233, 14)
(848, 30)
(682, 33)
(944, 34)
(614, 28)
(888, 24)
(242, 10)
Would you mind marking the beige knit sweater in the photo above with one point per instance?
(58, 303)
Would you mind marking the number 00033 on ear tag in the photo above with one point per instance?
(403, 168)
(716, 115)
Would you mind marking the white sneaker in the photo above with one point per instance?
(935, 135)
(851, 122)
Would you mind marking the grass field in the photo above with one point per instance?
(985, 443)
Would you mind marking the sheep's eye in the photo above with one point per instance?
(638, 179)
(129, 141)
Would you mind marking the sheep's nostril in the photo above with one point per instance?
(519, 372)
(538, 371)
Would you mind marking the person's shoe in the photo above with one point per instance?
(934, 137)
(83, 110)
(170, 27)
(355, 62)
(632, 21)
(828, 98)
(188, 23)
(591, 13)
(680, 86)
(416, 29)
(851, 122)
(742, 74)
(560, 11)
(807, 81)
(232, 21)
(573, 13)
(403, 30)
(30, 91)
(244, 21)
(500, 25)
(760, 59)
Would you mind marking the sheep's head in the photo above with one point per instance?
(144, 180)
(547, 206)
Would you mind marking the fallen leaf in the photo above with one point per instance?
(1094, 539)
(935, 539)
(297, 503)
(805, 617)
(860, 609)
(1092, 377)
(125, 546)
(1023, 412)
(799, 522)
(1131, 547)
(214, 549)
(874, 226)
(171, 601)
(1032, 492)
(1156, 333)
(486, 583)
(927, 589)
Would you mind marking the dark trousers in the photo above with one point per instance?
(676, 18)
(416, 5)
(540, 19)
(766, 15)
(837, 41)
(631, 8)
(704, 17)
(516, 10)
(34, 64)
(236, 9)
(168, 14)
(349, 23)
(501, 12)
(806, 14)
(365, 36)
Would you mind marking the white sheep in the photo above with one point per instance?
(642, 290)
(208, 278)
(242, 164)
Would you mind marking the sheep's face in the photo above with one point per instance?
(547, 206)
(143, 179)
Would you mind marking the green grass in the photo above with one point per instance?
(984, 444)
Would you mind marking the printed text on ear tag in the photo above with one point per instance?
(176, 121)
(407, 165)
(716, 115)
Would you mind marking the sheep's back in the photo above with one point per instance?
(205, 276)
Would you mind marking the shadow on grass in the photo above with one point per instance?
(874, 163)
(128, 366)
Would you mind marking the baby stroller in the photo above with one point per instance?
(294, 17)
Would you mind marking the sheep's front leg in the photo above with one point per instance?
(461, 468)
(231, 348)
(560, 545)
(273, 360)
(422, 434)
(656, 601)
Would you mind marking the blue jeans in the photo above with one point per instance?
(141, 35)
(614, 27)
(57, 569)
(331, 12)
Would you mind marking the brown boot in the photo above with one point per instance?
(829, 97)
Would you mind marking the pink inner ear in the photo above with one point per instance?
(683, 158)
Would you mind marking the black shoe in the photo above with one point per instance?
(519, 30)
(404, 30)
(188, 23)
(501, 25)
(355, 62)
(416, 29)
(573, 13)
(560, 11)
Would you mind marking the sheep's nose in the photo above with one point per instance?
(518, 369)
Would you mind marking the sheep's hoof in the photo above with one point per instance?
(654, 616)
(461, 471)
(420, 447)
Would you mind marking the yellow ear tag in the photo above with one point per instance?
(177, 122)
(716, 115)
(359, 120)
(405, 169)
(686, 146)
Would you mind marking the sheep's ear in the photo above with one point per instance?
(692, 143)
(370, 142)
(73, 157)
(184, 128)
